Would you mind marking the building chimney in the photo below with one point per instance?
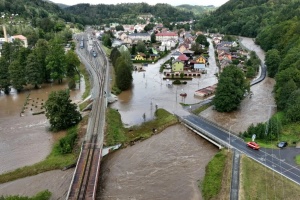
(5, 35)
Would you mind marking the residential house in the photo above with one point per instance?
(227, 44)
(217, 40)
(140, 36)
(201, 59)
(183, 47)
(122, 35)
(188, 53)
(140, 56)
(22, 38)
(128, 28)
(177, 66)
(175, 55)
(224, 56)
(116, 43)
(158, 27)
(168, 45)
(139, 27)
(128, 41)
(199, 67)
(165, 36)
(183, 57)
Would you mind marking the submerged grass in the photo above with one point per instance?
(116, 133)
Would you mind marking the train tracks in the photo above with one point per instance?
(85, 178)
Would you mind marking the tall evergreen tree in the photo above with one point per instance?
(17, 75)
(56, 60)
(41, 51)
(272, 61)
(4, 75)
(34, 73)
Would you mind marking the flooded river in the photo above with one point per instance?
(25, 138)
(166, 166)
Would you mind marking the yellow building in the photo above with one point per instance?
(140, 56)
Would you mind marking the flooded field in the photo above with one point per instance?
(166, 166)
(25, 138)
(150, 90)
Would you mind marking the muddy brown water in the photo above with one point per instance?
(25, 138)
(166, 166)
(150, 90)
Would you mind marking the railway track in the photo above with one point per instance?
(85, 178)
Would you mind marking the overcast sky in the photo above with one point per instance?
(152, 2)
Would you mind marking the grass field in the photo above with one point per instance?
(258, 182)
(217, 180)
(116, 133)
(298, 159)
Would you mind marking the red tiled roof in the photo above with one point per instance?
(167, 34)
(182, 57)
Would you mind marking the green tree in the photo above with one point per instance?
(293, 106)
(250, 72)
(272, 61)
(124, 75)
(141, 47)
(201, 39)
(133, 50)
(4, 75)
(106, 40)
(284, 93)
(17, 75)
(72, 62)
(34, 74)
(56, 60)
(61, 113)
(149, 27)
(230, 89)
(153, 38)
(114, 55)
(124, 70)
(119, 28)
(41, 51)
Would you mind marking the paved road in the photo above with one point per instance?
(263, 156)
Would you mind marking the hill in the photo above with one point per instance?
(249, 17)
(126, 13)
(197, 10)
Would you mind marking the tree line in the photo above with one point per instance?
(47, 61)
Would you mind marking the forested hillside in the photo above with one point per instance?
(197, 10)
(127, 13)
(276, 26)
(30, 9)
(249, 17)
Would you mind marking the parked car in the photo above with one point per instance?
(94, 54)
(253, 145)
(282, 144)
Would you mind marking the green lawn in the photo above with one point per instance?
(259, 182)
(298, 159)
(217, 180)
